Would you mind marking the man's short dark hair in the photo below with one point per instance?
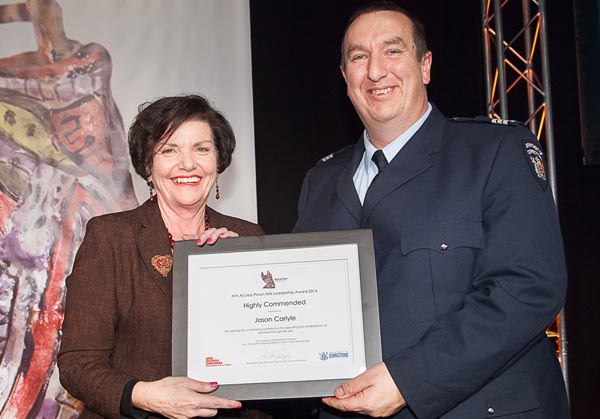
(387, 6)
(158, 120)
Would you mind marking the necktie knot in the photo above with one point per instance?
(379, 160)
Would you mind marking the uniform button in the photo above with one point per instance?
(443, 247)
(491, 410)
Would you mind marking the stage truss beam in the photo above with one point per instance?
(514, 47)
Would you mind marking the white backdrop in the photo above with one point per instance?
(167, 47)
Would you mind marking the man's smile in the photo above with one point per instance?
(381, 91)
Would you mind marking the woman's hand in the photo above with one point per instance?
(211, 235)
(179, 398)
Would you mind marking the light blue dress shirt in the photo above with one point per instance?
(367, 169)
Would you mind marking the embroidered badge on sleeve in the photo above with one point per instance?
(535, 159)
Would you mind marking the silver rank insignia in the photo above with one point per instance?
(327, 157)
(332, 155)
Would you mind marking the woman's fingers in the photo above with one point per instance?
(180, 398)
(211, 236)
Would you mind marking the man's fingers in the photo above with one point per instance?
(350, 404)
(353, 386)
(334, 402)
(372, 393)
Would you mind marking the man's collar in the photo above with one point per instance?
(395, 146)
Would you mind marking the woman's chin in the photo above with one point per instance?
(187, 202)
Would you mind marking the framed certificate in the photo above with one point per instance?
(278, 316)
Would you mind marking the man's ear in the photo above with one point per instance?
(426, 67)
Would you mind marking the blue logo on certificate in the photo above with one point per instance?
(324, 356)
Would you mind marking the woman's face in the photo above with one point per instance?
(184, 167)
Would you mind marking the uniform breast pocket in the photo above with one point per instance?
(439, 258)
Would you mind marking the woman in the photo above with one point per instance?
(115, 354)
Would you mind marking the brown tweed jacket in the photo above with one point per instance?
(117, 322)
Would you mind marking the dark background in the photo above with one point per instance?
(587, 15)
(301, 114)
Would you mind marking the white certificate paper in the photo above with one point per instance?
(280, 316)
(275, 315)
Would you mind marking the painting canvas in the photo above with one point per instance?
(70, 84)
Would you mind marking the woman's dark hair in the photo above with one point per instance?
(418, 34)
(158, 120)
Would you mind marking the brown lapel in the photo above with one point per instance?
(153, 241)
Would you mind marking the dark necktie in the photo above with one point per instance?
(380, 160)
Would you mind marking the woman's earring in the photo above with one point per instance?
(151, 187)
(218, 194)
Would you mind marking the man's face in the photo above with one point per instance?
(385, 78)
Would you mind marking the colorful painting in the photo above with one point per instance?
(63, 159)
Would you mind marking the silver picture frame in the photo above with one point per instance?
(201, 281)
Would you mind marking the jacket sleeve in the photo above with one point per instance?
(304, 192)
(246, 228)
(518, 286)
(89, 326)
(253, 230)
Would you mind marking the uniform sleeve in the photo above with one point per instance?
(304, 192)
(89, 326)
(518, 286)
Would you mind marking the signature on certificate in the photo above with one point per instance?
(279, 353)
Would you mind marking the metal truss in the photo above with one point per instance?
(515, 46)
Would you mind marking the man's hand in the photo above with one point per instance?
(372, 393)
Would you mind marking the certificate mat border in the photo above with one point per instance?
(278, 390)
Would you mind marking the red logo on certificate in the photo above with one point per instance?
(215, 362)
(268, 280)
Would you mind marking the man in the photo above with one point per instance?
(470, 265)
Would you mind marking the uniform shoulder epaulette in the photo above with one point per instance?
(488, 120)
(336, 153)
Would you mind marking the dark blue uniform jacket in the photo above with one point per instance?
(470, 267)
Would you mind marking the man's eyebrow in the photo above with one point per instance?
(354, 47)
(396, 41)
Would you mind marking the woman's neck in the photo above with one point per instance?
(183, 221)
